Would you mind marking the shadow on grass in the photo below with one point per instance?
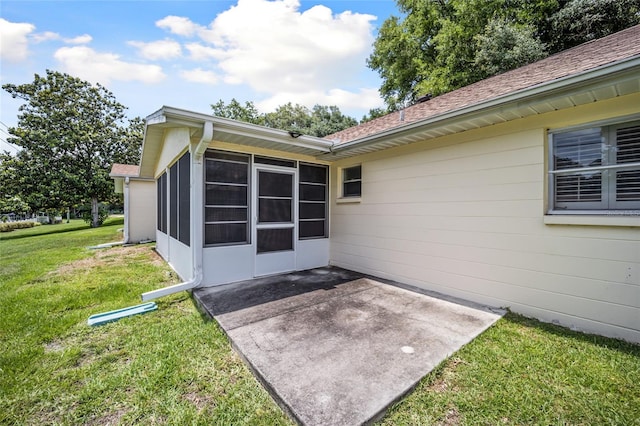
(49, 229)
(560, 331)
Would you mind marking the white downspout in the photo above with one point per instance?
(126, 210)
(197, 191)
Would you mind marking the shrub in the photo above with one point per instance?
(12, 226)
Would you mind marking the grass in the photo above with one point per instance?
(73, 225)
(173, 366)
(170, 366)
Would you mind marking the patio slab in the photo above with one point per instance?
(335, 347)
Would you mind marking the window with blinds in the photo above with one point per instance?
(595, 169)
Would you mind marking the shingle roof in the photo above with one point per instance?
(613, 48)
(124, 170)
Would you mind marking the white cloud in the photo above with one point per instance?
(82, 39)
(365, 98)
(161, 49)
(198, 52)
(93, 66)
(45, 36)
(14, 43)
(274, 47)
(179, 25)
(51, 36)
(199, 75)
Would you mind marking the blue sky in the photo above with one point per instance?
(190, 54)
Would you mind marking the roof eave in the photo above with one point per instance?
(225, 130)
(562, 87)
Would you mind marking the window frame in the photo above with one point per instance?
(325, 202)
(608, 204)
(210, 156)
(179, 199)
(161, 203)
(343, 181)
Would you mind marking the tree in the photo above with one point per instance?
(128, 147)
(319, 121)
(505, 46)
(441, 45)
(10, 200)
(375, 113)
(70, 132)
(247, 113)
(580, 21)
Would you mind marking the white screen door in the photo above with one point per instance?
(274, 221)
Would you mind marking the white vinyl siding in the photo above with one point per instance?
(463, 216)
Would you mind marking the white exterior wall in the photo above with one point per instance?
(465, 216)
(142, 210)
(176, 142)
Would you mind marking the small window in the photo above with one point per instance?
(595, 169)
(352, 181)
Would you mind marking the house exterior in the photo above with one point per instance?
(139, 208)
(519, 191)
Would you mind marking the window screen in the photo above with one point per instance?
(184, 199)
(161, 199)
(312, 206)
(173, 201)
(179, 201)
(226, 212)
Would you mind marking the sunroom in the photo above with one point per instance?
(234, 200)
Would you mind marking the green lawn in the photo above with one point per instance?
(174, 366)
(73, 225)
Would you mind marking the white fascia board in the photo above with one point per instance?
(556, 87)
(168, 117)
(194, 119)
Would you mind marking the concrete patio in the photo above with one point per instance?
(335, 347)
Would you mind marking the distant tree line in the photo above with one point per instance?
(320, 121)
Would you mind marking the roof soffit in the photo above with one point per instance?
(607, 82)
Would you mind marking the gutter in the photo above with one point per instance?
(197, 190)
(521, 96)
(191, 119)
(125, 194)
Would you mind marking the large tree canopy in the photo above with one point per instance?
(319, 121)
(70, 133)
(441, 45)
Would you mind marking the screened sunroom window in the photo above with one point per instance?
(226, 198)
(595, 169)
(313, 201)
(161, 208)
(179, 199)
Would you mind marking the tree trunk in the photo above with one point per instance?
(95, 221)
